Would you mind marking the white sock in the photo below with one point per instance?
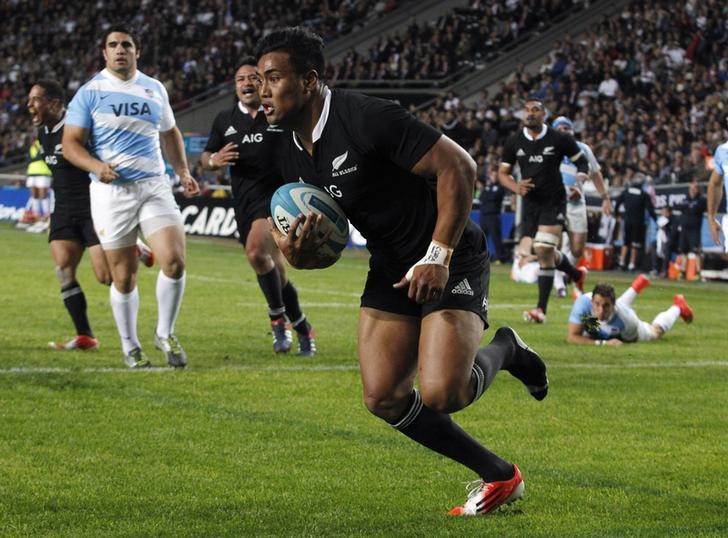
(125, 307)
(45, 206)
(665, 320)
(559, 280)
(628, 297)
(35, 206)
(169, 300)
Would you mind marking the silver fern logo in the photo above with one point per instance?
(338, 161)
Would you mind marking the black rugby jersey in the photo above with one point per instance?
(70, 183)
(539, 160)
(364, 149)
(636, 201)
(254, 175)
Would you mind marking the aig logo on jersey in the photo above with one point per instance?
(535, 158)
(252, 138)
(338, 161)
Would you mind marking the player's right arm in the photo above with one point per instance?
(715, 193)
(74, 149)
(505, 176)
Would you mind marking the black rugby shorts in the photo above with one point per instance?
(466, 289)
(65, 225)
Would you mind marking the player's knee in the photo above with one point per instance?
(386, 406)
(65, 275)
(103, 276)
(259, 259)
(442, 398)
(174, 267)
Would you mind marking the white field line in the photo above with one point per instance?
(25, 370)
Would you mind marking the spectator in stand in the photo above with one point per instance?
(690, 224)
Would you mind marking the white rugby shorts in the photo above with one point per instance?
(576, 220)
(39, 182)
(119, 211)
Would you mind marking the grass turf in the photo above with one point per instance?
(630, 442)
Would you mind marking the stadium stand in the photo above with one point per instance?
(647, 88)
(190, 46)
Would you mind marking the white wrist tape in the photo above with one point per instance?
(437, 254)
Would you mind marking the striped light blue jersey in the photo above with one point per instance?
(124, 119)
(721, 162)
(622, 324)
(568, 169)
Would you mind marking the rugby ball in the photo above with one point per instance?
(293, 199)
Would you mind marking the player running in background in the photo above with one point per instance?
(715, 193)
(71, 228)
(408, 189)
(242, 139)
(126, 119)
(598, 318)
(576, 214)
(539, 151)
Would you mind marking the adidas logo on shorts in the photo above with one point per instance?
(463, 288)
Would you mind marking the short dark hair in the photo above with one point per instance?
(247, 60)
(123, 28)
(52, 89)
(305, 49)
(605, 290)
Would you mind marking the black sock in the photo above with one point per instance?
(293, 309)
(545, 283)
(75, 302)
(489, 360)
(438, 432)
(270, 283)
(564, 265)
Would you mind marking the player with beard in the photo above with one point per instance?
(71, 228)
(242, 139)
(125, 118)
(538, 150)
(408, 189)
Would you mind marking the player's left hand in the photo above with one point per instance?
(574, 193)
(426, 282)
(192, 188)
(607, 206)
(715, 229)
(301, 245)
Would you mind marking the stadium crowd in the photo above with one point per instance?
(646, 89)
(462, 38)
(190, 46)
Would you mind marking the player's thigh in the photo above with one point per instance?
(576, 218)
(448, 342)
(387, 346)
(260, 247)
(114, 209)
(168, 244)
(66, 254)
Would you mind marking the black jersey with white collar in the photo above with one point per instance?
(70, 183)
(254, 174)
(364, 149)
(540, 158)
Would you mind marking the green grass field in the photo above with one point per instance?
(631, 441)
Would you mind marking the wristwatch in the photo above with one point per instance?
(211, 164)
